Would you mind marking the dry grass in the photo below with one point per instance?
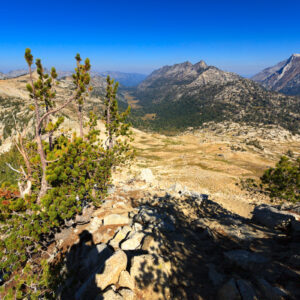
(207, 164)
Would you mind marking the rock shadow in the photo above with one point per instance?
(197, 252)
(80, 264)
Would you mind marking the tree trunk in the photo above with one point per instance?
(108, 122)
(80, 120)
(38, 136)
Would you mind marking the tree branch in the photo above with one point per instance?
(12, 168)
(53, 111)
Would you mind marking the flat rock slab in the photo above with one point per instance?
(133, 242)
(120, 236)
(246, 260)
(112, 269)
(151, 274)
(126, 280)
(115, 219)
(272, 217)
(229, 291)
(246, 290)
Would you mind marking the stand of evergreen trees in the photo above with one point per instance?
(56, 175)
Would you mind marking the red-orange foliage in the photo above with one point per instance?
(8, 194)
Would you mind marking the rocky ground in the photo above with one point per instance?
(148, 243)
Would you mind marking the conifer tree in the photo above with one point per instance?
(81, 80)
(114, 121)
(66, 173)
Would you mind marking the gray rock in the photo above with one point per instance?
(199, 196)
(246, 290)
(229, 291)
(112, 269)
(166, 225)
(177, 188)
(294, 260)
(110, 295)
(120, 236)
(271, 217)
(270, 292)
(148, 268)
(126, 281)
(115, 219)
(105, 275)
(133, 242)
(95, 224)
(146, 175)
(215, 277)
(296, 228)
(151, 245)
(127, 294)
(85, 217)
(150, 216)
(111, 189)
(137, 227)
(246, 260)
(95, 257)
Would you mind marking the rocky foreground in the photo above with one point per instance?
(146, 243)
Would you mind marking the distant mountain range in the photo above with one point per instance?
(125, 79)
(172, 98)
(183, 95)
(283, 77)
(13, 74)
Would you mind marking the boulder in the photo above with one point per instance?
(295, 228)
(229, 291)
(133, 242)
(146, 175)
(272, 217)
(111, 189)
(148, 215)
(126, 280)
(110, 295)
(115, 219)
(112, 269)
(270, 292)
(95, 224)
(95, 257)
(177, 188)
(151, 274)
(106, 275)
(294, 261)
(120, 236)
(127, 294)
(151, 245)
(215, 277)
(246, 290)
(246, 260)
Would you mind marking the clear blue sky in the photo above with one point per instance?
(139, 36)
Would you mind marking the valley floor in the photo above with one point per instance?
(214, 160)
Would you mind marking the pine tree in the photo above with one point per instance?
(283, 181)
(66, 172)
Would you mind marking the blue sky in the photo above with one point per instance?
(139, 36)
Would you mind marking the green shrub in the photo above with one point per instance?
(75, 171)
(283, 181)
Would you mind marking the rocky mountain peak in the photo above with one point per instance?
(187, 73)
(296, 55)
(200, 65)
(283, 77)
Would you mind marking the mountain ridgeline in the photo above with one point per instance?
(283, 77)
(184, 95)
